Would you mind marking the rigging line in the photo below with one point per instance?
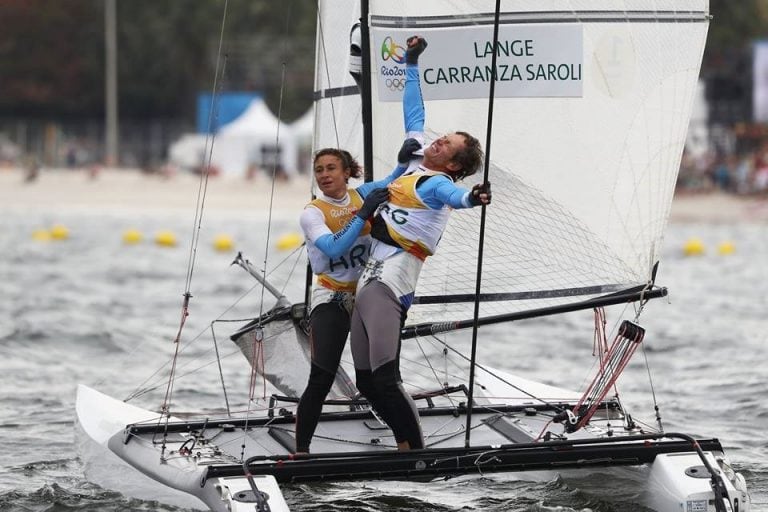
(211, 135)
(554, 406)
(179, 376)
(638, 311)
(481, 239)
(293, 269)
(656, 408)
(221, 372)
(195, 237)
(415, 367)
(143, 387)
(276, 161)
(269, 227)
(274, 177)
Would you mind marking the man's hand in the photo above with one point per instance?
(416, 45)
(372, 202)
(405, 154)
(480, 194)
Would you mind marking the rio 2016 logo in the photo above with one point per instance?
(391, 50)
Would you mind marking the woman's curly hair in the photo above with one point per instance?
(347, 160)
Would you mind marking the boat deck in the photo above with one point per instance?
(356, 445)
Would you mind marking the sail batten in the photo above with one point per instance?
(656, 16)
(532, 294)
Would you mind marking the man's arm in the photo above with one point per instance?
(439, 191)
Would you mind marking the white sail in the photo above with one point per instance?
(591, 110)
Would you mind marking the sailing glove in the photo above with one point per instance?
(405, 154)
(480, 188)
(416, 45)
(372, 202)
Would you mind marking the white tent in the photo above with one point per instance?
(304, 126)
(250, 142)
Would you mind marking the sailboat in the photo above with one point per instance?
(590, 108)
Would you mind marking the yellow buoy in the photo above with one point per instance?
(41, 235)
(59, 232)
(132, 236)
(726, 248)
(693, 247)
(223, 243)
(289, 241)
(165, 239)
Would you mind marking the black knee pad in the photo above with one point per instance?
(387, 376)
(364, 382)
(400, 415)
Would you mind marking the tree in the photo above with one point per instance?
(52, 55)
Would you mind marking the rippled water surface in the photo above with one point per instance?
(92, 310)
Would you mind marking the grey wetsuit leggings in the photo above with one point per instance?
(375, 342)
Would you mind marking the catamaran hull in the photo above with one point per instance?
(669, 476)
(101, 421)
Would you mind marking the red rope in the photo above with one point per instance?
(257, 365)
(611, 365)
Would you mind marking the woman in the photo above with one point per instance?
(336, 228)
(405, 232)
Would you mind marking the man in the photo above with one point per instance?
(406, 231)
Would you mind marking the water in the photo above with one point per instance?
(90, 309)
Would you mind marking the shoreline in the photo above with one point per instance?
(132, 189)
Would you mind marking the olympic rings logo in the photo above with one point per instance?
(391, 50)
(394, 84)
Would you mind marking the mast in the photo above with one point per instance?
(365, 92)
(478, 280)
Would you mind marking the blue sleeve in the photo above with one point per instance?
(366, 188)
(439, 191)
(339, 242)
(413, 104)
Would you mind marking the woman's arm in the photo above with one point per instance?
(331, 244)
(366, 188)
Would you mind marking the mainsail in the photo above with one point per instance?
(592, 105)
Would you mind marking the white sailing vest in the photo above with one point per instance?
(340, 274)
(416, 227)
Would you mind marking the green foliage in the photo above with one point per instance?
(52, 53)
(50, 56)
